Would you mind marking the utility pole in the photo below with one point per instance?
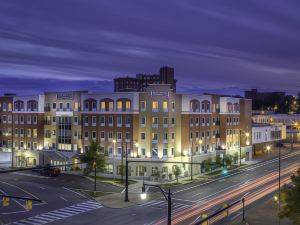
(126, 182)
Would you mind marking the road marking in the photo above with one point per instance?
(30, 175)
(82, 195)
(163, 204)
(63, 198)
(59, 214)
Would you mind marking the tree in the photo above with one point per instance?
(235, 157)
(219, 160)
(228, 160)
(177, 172)
(290, 195)
(94, 153)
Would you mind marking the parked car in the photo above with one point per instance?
(37, 168)
(50, 171)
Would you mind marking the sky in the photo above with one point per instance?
(214, 45)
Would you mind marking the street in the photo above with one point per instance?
(64, 204)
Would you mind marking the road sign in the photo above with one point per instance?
(5, 201)
(28, 205)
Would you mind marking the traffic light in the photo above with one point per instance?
(28, 205)
(225, 172)
(5, 201)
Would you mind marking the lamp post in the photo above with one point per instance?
(126, 180)
(122, 156)
(224, 149)
(268, 149)
(191, 155)
(114, 160)
(166, 194)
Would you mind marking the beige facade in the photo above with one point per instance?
(157, 125)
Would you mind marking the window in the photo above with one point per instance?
(173, 121)
(128, 105)
(102, 135)
(34, 132)
(102, 120)
(143, 121)
(173, 136)
(191, 121)
(197, 121)
(207, 121)
(165, 136)
(128, 120)
(143, 106)
(155, 121)
(22, 119)
(94, 120)
(28, 133)
(68, 106)
(16, 119)
(35, 119)
(197, 134)
(143, 152)
(110, 135)
(86, 134)
(76, 106)
(119, 120)
(54, 106)
(165, 106)
(94, 134)
(53, 119)
(94, 106)
(173, 106)
(191, 135)
(154, 136)
(75, 120)
(61, 106)
(110, 120)
(127, 135)
(28, 145)
(165, 121)
(119, 135)
(172, 151)
(155, 106)
(86, 120)
(75, 133)
(165, 152)
(28, 119)
(102, 106)
(111, 106)
(119, 105)
(143, 136)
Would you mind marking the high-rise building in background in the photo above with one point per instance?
(142, 81)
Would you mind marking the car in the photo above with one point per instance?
(50, 171)
(37, 168)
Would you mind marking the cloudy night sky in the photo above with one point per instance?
(214, 46)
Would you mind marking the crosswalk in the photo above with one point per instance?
(59, 214)
(163, 205)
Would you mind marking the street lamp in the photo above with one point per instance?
(268, 149)
(224, 149)
(114, 160)
(167, 195)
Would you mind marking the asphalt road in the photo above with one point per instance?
(66, 206)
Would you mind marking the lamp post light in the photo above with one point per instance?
(166, 194)
(268, 149)
(114, 160)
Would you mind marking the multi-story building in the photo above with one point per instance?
(157, 124)
(142, 81)
(291, 121)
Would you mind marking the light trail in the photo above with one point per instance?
(201, 206)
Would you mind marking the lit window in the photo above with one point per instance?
(155, 105)
(102, 106)
(76, 105)
(128, 105)
(119, 105)
(165, 106)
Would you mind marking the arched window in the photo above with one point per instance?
(194, 105)
(106, 105)
(123, 105)
(90, 105)
(32, 105)
(19, 105)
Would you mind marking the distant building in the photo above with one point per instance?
(264, 100)
(142, 81)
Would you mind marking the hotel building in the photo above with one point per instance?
(156, 124)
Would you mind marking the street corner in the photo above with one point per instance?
(117, 200)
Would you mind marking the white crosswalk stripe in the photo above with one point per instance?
(59, 214)
(163, 204)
